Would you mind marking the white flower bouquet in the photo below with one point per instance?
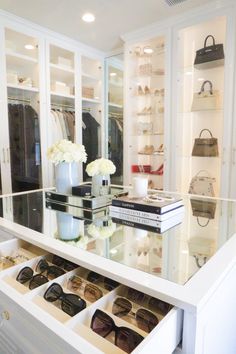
(100, 167)
(66, 151)
(101, 232)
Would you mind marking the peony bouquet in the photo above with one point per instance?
(100, 167)
(66, 151)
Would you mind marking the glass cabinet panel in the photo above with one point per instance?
(91, 109)
(200, 113)
(115, 115)
(145, 111)
(23, 110)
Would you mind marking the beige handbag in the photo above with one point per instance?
(206, 99)
(202, 185)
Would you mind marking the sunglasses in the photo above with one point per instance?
(91, 292)
(63, 263)
(125, 338)
(107, 283)
(27, 274)
(153, 304)
(52, 271)
(70, 303)
(145, 319)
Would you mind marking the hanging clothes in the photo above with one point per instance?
(115, 147)
(24, 147)
(63, 124)
(90, 139)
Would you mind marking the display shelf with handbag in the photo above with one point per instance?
(210, 56)
(206, 99)
(205, 147)
(202, 185)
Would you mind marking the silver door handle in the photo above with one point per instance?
(4, 156)
(8, 155)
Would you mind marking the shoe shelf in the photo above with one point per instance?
(49, 314)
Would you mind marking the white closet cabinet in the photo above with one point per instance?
(181, 122)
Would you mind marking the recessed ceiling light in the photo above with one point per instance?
(113, 74)
(88, 17)
(148, 50)
(29, 46)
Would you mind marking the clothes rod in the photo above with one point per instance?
(18, 99)
(62, 106)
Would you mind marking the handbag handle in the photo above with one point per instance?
(202, 225)
(203, 87)
(203, 171)
(207, 131)
(209, 36)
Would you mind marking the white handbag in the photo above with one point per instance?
(206, 99)
(202, 185)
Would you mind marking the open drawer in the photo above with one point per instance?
(46, 328)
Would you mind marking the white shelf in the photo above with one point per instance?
(115, 105)
(62, 68)
(21, 56)
(59, 98)
(90, 77)
(23, 88)
(91, 100)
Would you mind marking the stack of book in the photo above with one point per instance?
(153, 215)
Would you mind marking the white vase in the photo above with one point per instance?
(101, 185)
(68, 228)
(67, 175)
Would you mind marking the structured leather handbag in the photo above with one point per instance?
(202, 185)
(203, 209)
(205, 147)
(206, 99)
(209, 56)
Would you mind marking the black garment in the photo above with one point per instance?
(116, 146)
(24, 147)
(90, 139)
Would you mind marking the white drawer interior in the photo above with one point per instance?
(164, 338)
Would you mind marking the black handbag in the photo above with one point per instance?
(205, 147)
(209, 56)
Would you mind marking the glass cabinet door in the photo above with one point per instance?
(199, 125)
(145, 111)
(23, 110)
(114, 84)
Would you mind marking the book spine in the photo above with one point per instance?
(136, 225)
(137, 213)
(136, 206)
(137, 220)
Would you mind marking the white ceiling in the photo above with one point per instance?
(113, 17)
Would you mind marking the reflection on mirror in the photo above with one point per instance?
(114, 109)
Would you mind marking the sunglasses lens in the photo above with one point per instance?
(54, 272)
(146, 320)
(53, 292)
(72, 304)
(110, 284)
(58, 260)
(42, 266)
(37, 280)
(101, 323)
(159, 306)
(127, 339)
(121, 307)
(92, 293)
(93, 277)
(74, 283)
(135, 295)
(25, 275)
(70, 266)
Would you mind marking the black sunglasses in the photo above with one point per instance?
(52, 271)
(27, 274)
(107, 283)
(125, 338)
(63, 263)
(145, 319)
(70, 303)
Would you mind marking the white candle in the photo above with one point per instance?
(140, 186)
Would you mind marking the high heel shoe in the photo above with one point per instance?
(159, 171)
(147, 90)
(140, 90)
(160, 149)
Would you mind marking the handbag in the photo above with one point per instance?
(202, 185)
(203, 209)
(207, 147)
(210, 56)
(206, 99)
